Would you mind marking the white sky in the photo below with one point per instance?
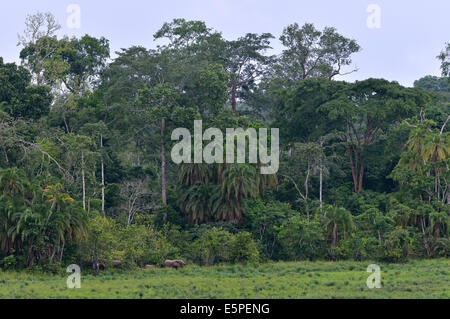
(412, 32)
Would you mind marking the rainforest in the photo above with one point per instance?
(87, 177)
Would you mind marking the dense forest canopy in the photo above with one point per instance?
(86, 174)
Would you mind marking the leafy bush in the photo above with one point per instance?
(301, 239)
(262, 220)
(218, 245)
(395, 247)
(244, 248)
(361, 246)
(9, 262)
(133, 244)
(212, 247)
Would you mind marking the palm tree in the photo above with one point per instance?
(219, 191)
(12, 203)
(55, 195)
(39, 221)
(401, 214)
(439, 220)
(227, 209)
(335, 220)
(195, 201)
(67, 224)
(414, 145)
(8, 214)
(436, 149)
(428, 149)
(265, 181)
(240, 181)
(193, 173)
(426, 146)
(12, 181)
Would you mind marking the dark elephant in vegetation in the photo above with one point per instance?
(117, 263)
(98, 266)
(173, 263)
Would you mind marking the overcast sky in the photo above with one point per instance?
(404, 47)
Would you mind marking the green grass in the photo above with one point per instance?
(345, 279)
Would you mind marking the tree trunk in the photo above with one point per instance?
(334, 241)
(103, 177)
(163, 167)
(425, 241)
(61, 253)
(437, 230)
(95, 265)
(30, 255)
(38, 66)
(357, 167)
(5, 153)
(65, 122)
(138, 156)
(360, 179)
(307, 193)
(320, 184)
(352, 166)
(83, 180)
(233, 98)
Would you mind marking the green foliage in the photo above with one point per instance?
(218, 246)
(72, 63)
(101, 241)
(37, 221)
(395, 248)
(214, 246)
(9, 262)
(364, 166)
(143, 245)
(18, 97)
(302, 239)
(210, 89)
(433, 83)
(313, 53)
(444, 57)
(244, 248)
(218, 192)
(263, 220)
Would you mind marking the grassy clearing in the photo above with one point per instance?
(345, 279)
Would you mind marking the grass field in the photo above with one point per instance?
(346, 279)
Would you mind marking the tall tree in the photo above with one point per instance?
(444, 56)
(313, 53)
(209, 91)
(245, 63)
(159, 105)
(366, 108)
(38, 42)
(87, 58)
(98, 132)
(336, 220)
(18, 97)
(304, 160)
(72, 65)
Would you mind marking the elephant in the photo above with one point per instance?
(100, 266)
(117, 263)
(173, 263)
